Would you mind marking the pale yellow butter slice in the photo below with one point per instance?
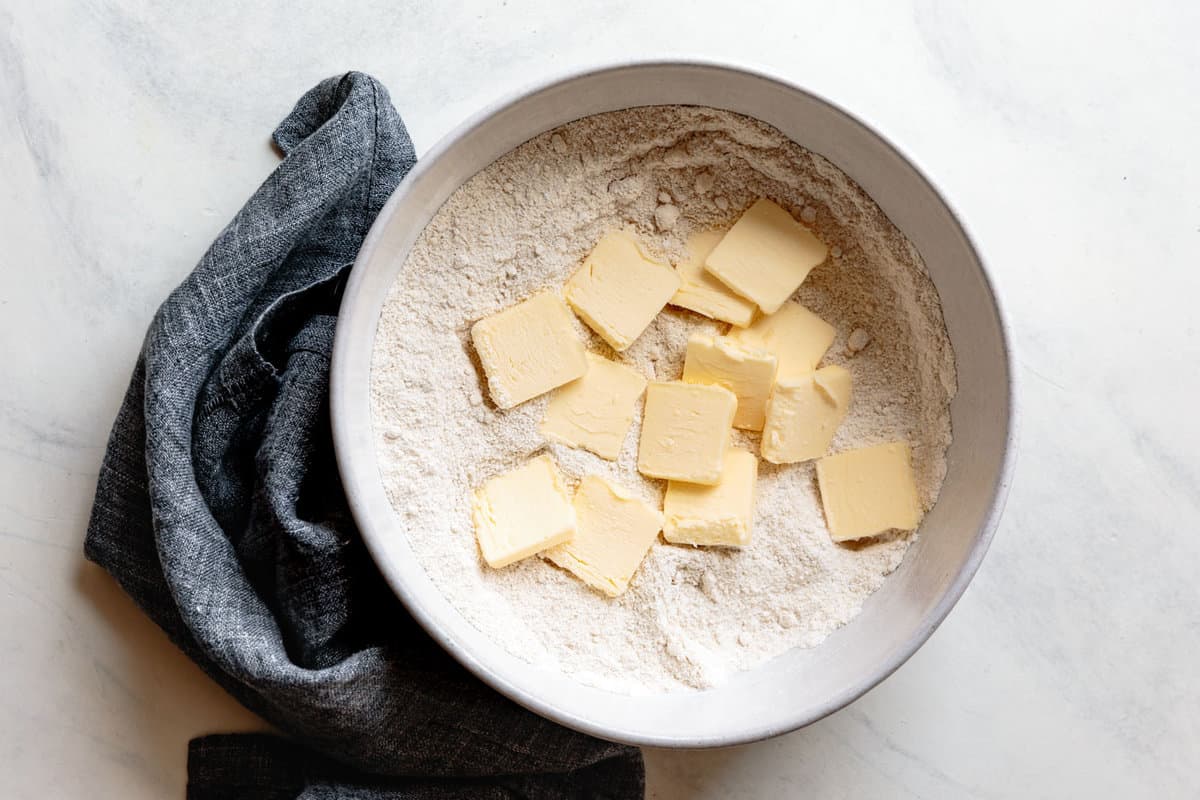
(869, 491)
(720, 515)
(699, 291)
(685, 431)
(803, 415)
(528, 349)
(619, 290)
(797, 337)
(766, 255)
(613, 534)
(522, 512)
(595, 411)
(746, 371)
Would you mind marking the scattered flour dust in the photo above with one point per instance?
(691, 616)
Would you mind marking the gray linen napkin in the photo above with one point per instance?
(219, 510)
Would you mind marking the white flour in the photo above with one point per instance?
(691, 616)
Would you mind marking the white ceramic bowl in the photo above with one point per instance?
(802, 685)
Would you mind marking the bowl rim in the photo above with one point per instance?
(339, 391)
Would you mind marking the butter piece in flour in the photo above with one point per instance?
(522, 512)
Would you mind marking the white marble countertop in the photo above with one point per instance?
(1064, 131)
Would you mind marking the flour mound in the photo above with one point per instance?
(692, 616)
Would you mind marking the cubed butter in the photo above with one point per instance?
(746, 371)
(594, 412)
(797, 337)
(614, 531)
(528, 349)
(869, 491)
(685, 431)
(522, 512)
(619, 290)
(699, 291)
(766, 255)
(720, 515)
(804, 413)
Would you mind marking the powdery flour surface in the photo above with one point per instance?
(691, 616)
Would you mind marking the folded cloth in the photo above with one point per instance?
(219, 510)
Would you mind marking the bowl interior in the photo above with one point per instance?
(801, 685)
